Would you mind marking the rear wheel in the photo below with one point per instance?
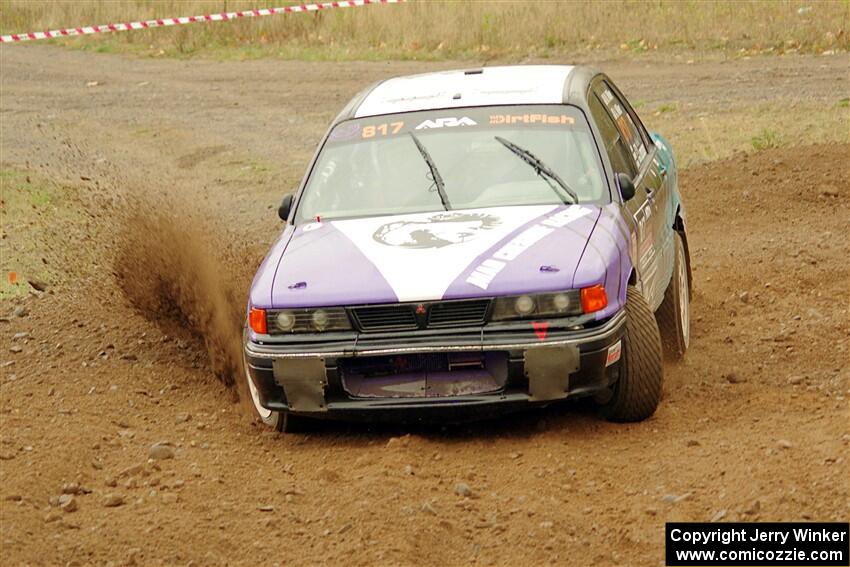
(635, 394)
(673, 314)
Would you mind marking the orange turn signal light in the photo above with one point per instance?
(257, 320)
(593, 298)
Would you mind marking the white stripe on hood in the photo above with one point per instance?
(420, 255)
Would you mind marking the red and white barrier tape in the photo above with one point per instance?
(224, 16)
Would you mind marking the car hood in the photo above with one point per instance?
(430, 256)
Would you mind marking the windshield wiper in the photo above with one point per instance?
(435, 174)
(541, 169)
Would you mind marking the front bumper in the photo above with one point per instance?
(305, 376)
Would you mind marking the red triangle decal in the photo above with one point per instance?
(540, 328)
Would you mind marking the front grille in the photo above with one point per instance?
(385, 318)
(412, 316)
(425, 375)
(377, 366)
(458, 313)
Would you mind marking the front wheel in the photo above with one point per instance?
(292, 423)
(273, 419)
(673, 315)
(637, 391)
(277, 420)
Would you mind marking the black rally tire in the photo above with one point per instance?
(637, 392)
(673, 314)
(282, 421)
(273, 419)
(292, 423)
(277, 420)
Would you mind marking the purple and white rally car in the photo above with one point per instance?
(468, 242)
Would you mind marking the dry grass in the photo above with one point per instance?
(450, 29)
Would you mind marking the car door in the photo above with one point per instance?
(658, 184)
(631, 152)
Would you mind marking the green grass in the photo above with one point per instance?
(844, 103)
(41, 198)
(728, 129)
(254, 169)
(29, 206)
(766, 139)
(431, 30)
(635, 45)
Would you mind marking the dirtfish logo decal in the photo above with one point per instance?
(450, 122)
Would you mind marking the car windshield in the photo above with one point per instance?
(464, 158)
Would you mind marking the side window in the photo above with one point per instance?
(625, 125)
(618, 153)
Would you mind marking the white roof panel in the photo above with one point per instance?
(521, 84)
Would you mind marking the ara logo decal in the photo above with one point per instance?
(450, 122)
(439, 230)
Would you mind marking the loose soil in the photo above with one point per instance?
(152, 188)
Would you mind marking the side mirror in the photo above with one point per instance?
(627, 186)
(285, 206)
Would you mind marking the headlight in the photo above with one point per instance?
(543, 305)
(524, 305)
(320, 319)
(307, 320)
(562, 302)
(285, 321)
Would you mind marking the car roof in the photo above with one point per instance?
(506, 85)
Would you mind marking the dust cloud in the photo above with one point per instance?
(175, 269)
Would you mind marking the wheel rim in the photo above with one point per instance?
(255, 394)
(684, 299)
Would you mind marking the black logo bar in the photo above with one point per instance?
(757, 543)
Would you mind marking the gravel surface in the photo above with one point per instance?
(121, 440)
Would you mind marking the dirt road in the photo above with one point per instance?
(172, 170)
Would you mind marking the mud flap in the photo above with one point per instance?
(548, 370)
(303, 381)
